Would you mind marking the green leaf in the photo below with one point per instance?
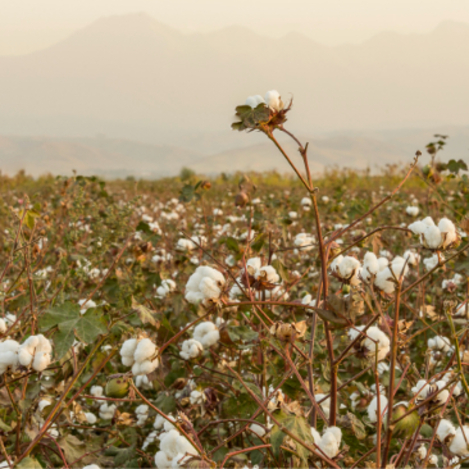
(63, 341)
(231, 243)
(276, 439)
(29, 463)
(281, 269)
(166, 403)
(456, 166)
(299, 427)
(89, 327)
(70, 323)
(244, 333)
(259, 242)
(250, 118)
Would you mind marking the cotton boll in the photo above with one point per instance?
(106, 412)
(382, 263)
(27, 349)
(305, 201)
(446, 431)
(127, 351)
(207, 334)
(184, 446)
(371, 263)
(257, 429)
(439, 343)
(197, 397)
(3, 326)
(384, 281)
(316, 436)
(377, 339)
(41, 361)
(146, 367)
(253, 265)
(399, 267)
(428, 221)
(97, 391)
(91, 466)
(191, 348)
(422, 452)
(449, 231)
(335, 263)
(330, 442)
(91, 418)
(162, 461)
(141, 413)
(372, 408)
(254, 101)
(432, 237)
(418, 227)
(411, 257)
(273, 100)
(268, 273)
(325, 404)
(209, 288)
(168, 443)
(144, 350)
(431, 262)
(412, 211)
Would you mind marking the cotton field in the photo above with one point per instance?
(242, 321)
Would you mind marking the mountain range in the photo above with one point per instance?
(130, 94)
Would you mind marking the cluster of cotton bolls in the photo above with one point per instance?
(175, 450)
(141, 355)
(374, 342)
(271, 99)
(435, 237)
(191, 348)
(438, 346)
(141, 412)
(455, 439)
(35, 352)
(204, 285)
(303, 242)
(346, 269)
(267, 273)
(329, 442)
(107, 411)
(166, 287)
(387, 278)
(423, 389)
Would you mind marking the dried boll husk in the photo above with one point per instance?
(289, 332)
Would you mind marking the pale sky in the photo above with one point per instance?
(28, 25)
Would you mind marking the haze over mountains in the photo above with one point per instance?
(161, 100)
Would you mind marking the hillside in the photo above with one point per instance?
(134, 78)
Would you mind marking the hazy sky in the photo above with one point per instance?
(27, 25)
